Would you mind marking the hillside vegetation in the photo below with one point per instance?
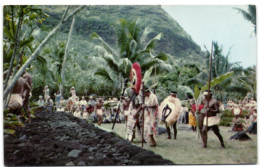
(100, 19)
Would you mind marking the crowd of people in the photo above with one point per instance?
(101, 110)
(94, 109)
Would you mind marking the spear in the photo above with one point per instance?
(143, 101)
(210, 63)
(122, 94)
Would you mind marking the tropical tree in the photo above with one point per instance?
(249, 15)
(243, 83)
(10, 18)
(220, 66)
(132, 46)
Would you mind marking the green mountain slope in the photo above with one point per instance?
(100, 19)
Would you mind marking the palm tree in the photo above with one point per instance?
(220, 66)
(243, 82)
(131, 47)
(249, 15)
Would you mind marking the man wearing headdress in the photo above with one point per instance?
(134, 120)
(211, 120)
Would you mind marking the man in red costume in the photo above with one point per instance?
(135, 103)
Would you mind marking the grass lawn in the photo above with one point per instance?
(187, 149)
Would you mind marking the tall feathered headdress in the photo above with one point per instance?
(136, 77)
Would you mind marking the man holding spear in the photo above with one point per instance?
(211, 120)
(211, 108)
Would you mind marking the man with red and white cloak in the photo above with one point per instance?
(134, 120)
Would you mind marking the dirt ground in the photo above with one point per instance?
(187, 149)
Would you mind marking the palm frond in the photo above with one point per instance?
(144, 36)
(147, 75)
(125, 67)
(103, 43)
(151, 44)
(104, 73)
(162, 56)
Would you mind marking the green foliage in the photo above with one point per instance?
(249, 15)
(218, 80)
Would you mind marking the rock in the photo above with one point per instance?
(81, 163)
(74, 153)
(90, 149)
(64, 138)
(90, 158)
(99, 155)
(16, 151)
(70, 164)
(21, 145)
(23, 137)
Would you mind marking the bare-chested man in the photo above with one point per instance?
(20, 96)
(27, 93)
(99, 111)
(125, 105)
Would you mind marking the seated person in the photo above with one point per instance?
(62, 102)
(77, 104)
(247, 122)
(49, 104)
(107, 117)
(77, 113)
(237, 124)
(83, 104)
(253, 127)
(85, 115)
(40, 103)
(60, 109)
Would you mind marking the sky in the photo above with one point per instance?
(218, 23)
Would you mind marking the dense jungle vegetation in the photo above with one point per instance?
(101, 45)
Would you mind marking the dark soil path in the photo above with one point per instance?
(59, 139)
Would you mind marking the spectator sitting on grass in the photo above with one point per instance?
(253, 127)
(40, 103)
(247, 122)
(49, 104)
(60, 109)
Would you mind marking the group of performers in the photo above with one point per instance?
(167, 112)
(141, 111)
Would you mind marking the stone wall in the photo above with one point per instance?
(60, 139)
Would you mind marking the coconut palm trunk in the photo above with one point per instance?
(35, 53)
(65, 56)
